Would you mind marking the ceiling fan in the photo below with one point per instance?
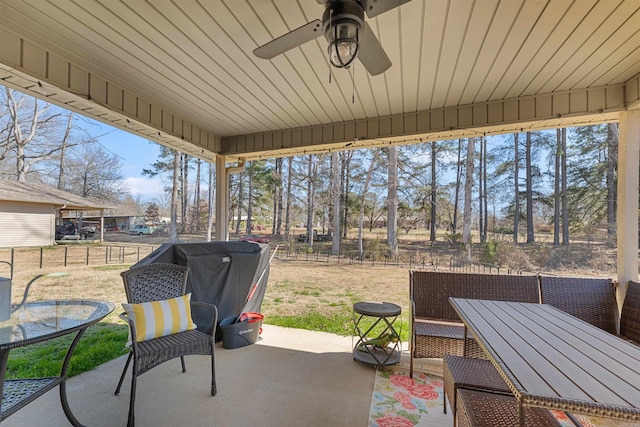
(345, 29)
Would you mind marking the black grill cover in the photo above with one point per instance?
(220, 273)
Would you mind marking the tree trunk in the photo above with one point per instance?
(530, 231)
(240, 195)
(280, 197)
(287, 215)
(173, 225)
(456, 201)
(346, 166)
(212, 191)
(63, 149)
(434, 185)
(310, 199)
(365, 190)
(565, 200)
(480, 193)
(335, 197)
(250, 198)
(185, 193)
(196, 198)
(612, 163)
(516, 182)
(556, 195)
(392, 202)
(485, 198)
(468, 188)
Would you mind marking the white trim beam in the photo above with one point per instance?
(545, 111)
(627, 217)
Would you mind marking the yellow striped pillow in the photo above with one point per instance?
(159, 318)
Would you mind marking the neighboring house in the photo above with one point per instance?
(28, 212)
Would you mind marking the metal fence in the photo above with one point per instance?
(411, 260)
(32, 259)
(29, 259)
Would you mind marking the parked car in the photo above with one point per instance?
(112, 228)
(317, 237)
(254, 238)
(141, 229)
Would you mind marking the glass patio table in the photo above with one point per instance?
(553, 360)
(36, 322)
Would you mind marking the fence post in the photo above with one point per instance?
(87, 255)
(106, 255)
(41, 249)
(138, 254)
(410, 266)
(12, 264)
(65, 255)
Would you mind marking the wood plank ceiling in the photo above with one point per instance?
(190, 62)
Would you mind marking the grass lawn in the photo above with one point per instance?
(300, 294)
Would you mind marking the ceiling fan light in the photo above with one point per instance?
(343, 45)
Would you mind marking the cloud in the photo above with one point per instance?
(147, 187)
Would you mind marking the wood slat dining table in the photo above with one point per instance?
(553, 360)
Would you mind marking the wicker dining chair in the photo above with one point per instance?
(592, 300)
(157, 282)
(630, 317)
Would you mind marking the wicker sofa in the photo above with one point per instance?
(436, 329)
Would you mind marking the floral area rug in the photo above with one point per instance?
(400, 401)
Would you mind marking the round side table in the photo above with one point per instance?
(373, 347)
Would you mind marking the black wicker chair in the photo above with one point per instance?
(155, 282)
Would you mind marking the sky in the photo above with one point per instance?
(136, 153)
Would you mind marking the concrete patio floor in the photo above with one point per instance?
(291, 377)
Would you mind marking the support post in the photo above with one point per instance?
(222, 200)
(627, 215)
(223, 173)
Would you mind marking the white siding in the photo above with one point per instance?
(26, 224)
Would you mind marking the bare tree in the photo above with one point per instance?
(29, 122)
(529, 191)
(211, 198)
(456, 200)
(392, 201)
(173, 226)
(556, 193)
(611, 178)
(94, 172)
(373, 164)
(196, 199)
(63, 149)
(565, 200)
(335, 201)
(287, 216)
(468, 188)
(249, 197)
(312, 170)
(516, 182)
(433, 193)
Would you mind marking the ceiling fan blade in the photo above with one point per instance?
(377, 7)
(371, 53)
(290, 40)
